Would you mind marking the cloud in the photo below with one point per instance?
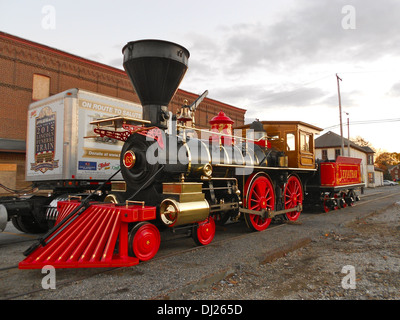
(265, 64)
(395, 90)
(265, 98)
(309, 34)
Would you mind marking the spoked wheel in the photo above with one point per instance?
(343, 203)
(330, 202)
(293, 196)
(325, 205)
(203, 233)
(144, 241)
(260, 195)
(350, 198)
(335, 202)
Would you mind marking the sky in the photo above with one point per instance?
(276, 59)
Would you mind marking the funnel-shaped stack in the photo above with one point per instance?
(155, 68)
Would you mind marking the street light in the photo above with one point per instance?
(348, 133)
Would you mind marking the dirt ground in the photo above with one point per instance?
(361, 261)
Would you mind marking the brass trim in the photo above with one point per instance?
(226, 153)
(239, 152)
(181, 187)
(174, 213)
(111, 198)
(118, 186)
(189, 155)
(133, 160)
(265, 168)
(117, 121)
(208, 151)
(133, 201)
(74, 196)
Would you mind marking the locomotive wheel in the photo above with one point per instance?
(203, 233)
(221, 218)
(350, 198)
(325, 206)
(144, 241)
(335, 204)
(260, 195)
(343, 203)
(293, 195)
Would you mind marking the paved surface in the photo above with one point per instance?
(248, 266)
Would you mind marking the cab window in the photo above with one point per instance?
(290, 142)
(305, 142)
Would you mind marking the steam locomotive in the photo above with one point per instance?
(178, 177)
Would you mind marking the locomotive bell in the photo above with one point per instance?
(155, 68)
(185, 114)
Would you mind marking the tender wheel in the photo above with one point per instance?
(260, 195)
(350, 198)
(325, 204)
(203, 233)
(343, 203)
(293, 196)
(144, 241)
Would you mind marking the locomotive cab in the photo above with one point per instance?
(294, 138)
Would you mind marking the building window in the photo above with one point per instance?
(370, 159)
(40, 87)
(371, 177)
(324, 154)
(337, 153)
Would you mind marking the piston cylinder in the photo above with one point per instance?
(174, 213)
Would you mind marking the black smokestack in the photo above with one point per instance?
(155, 68)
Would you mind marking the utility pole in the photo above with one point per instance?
(340, 113)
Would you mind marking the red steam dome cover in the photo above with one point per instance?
(221, 118)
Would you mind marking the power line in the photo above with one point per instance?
(365, 122)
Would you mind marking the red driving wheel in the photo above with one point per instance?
(293, 196)
(260, 195)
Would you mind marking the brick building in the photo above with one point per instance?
(31, 71)
(394, 172)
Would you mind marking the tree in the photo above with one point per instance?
(386, 159)
(362, 142)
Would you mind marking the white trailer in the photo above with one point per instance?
(63, 154)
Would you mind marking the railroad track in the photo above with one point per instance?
(171, 246)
